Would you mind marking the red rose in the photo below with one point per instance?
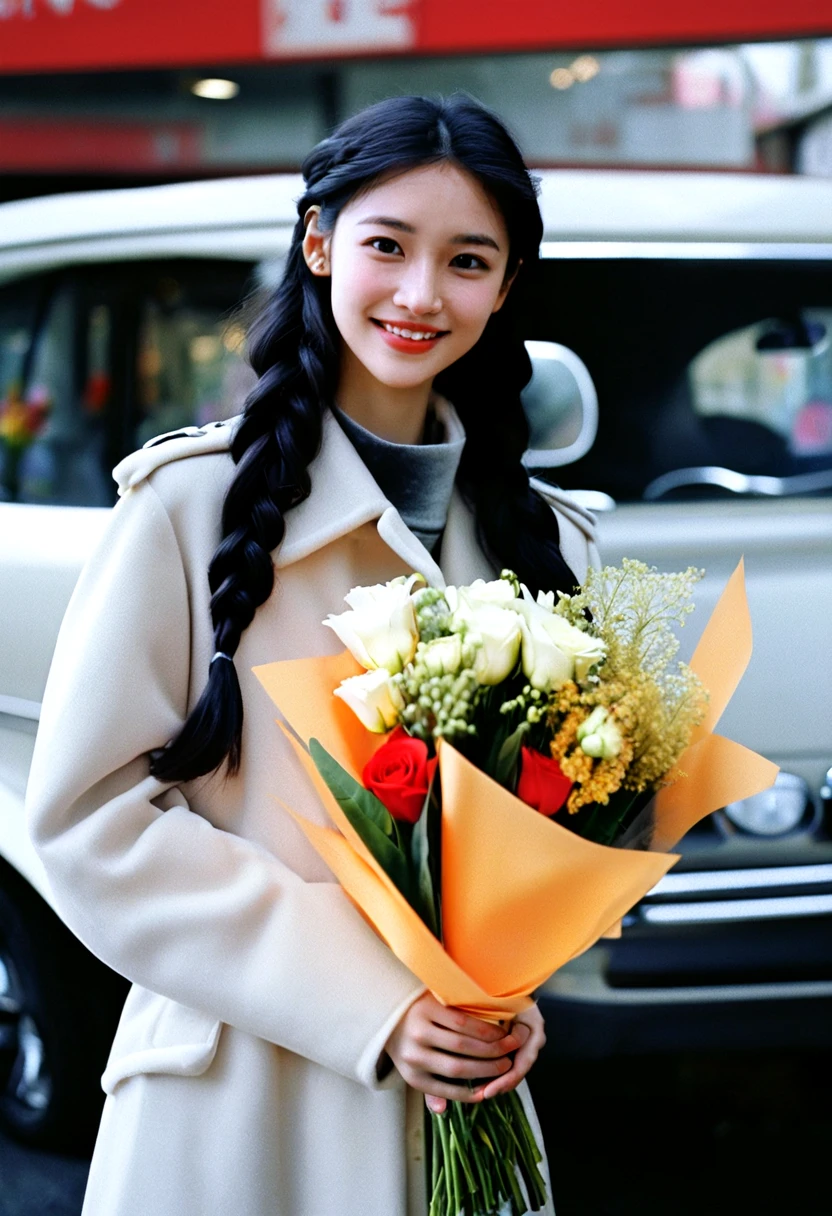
(542, 783)
(399, 774)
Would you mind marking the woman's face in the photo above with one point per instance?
(418, 265)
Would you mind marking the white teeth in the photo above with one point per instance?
(413, 334)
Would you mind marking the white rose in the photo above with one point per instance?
(374, 699)
(545, 665)
(380, 630)
(581, 648)
(442, 656)
(599, 736)
(495, 633)
(498, 593)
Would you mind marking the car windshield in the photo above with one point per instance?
(772, 379)
(714, 377)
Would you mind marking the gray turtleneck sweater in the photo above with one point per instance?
(418, 478)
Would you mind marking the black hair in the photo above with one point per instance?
(294, 349)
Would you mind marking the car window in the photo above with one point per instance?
(776, 374)
(51, 429)
(711, 364)
(98, 359)
(189, 365)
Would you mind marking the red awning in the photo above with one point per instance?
(55, 35)
(88, 146)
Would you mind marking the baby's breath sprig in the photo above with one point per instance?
(655, 702)
(509, 576)
(437, 706)
(433, 616)
(529, 703)
(634, 607)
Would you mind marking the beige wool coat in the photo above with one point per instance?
(242, 1079)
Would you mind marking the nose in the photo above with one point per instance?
(418, 289)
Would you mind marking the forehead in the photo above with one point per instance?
(434, 197)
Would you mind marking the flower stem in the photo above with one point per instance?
(479, 1155)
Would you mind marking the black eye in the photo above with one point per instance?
(469, 261)
(385, 244)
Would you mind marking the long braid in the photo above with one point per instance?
(278, 437)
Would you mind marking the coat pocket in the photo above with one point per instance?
(157, 1035)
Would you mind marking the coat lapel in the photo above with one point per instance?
(463, 560)
(345, 496)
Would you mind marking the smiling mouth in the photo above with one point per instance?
(409, 332)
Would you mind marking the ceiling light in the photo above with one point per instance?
(561, 78)
(215, 88)
(585, 67)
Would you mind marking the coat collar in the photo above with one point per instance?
(344, 496)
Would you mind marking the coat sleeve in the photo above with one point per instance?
(202, 916)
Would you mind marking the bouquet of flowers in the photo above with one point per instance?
(493, 759)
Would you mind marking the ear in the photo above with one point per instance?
(315, 244)
(504, 290)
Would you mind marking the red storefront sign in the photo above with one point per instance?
(54, 35)
(78, 146)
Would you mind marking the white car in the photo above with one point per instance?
(679, 328)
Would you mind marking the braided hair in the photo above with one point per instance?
(294, 349)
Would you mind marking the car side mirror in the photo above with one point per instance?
(561, 406)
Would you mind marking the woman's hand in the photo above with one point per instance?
(532, 1022)
(437, 1049)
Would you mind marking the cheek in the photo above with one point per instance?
(356, 286)
(475, 306)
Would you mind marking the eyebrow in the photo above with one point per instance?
(462, 238)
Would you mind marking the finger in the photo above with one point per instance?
(436, 1106)
(463, 1045)
(462, 1023)
(522, 1032)
(523, 1061)
(460, 1068)
(438, 1087)
(504, 1084)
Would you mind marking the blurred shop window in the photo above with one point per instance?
(55, 386)
(18, 424)
(645, 107)
(190, 368)
(764, 393)
(814, 147)
(95, 360)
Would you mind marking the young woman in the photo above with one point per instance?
(273, 1055)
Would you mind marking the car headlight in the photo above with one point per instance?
(774, 812)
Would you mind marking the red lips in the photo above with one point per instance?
(409, 346)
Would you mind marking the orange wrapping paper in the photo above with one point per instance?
(521, 895)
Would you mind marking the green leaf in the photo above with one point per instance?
(367, 814)
(508, 757)
(420, 852)
(372, 806)
(608, 823)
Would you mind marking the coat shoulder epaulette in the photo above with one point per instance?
(565, 504)
(175, 445)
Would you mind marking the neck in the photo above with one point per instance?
(394, 414)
